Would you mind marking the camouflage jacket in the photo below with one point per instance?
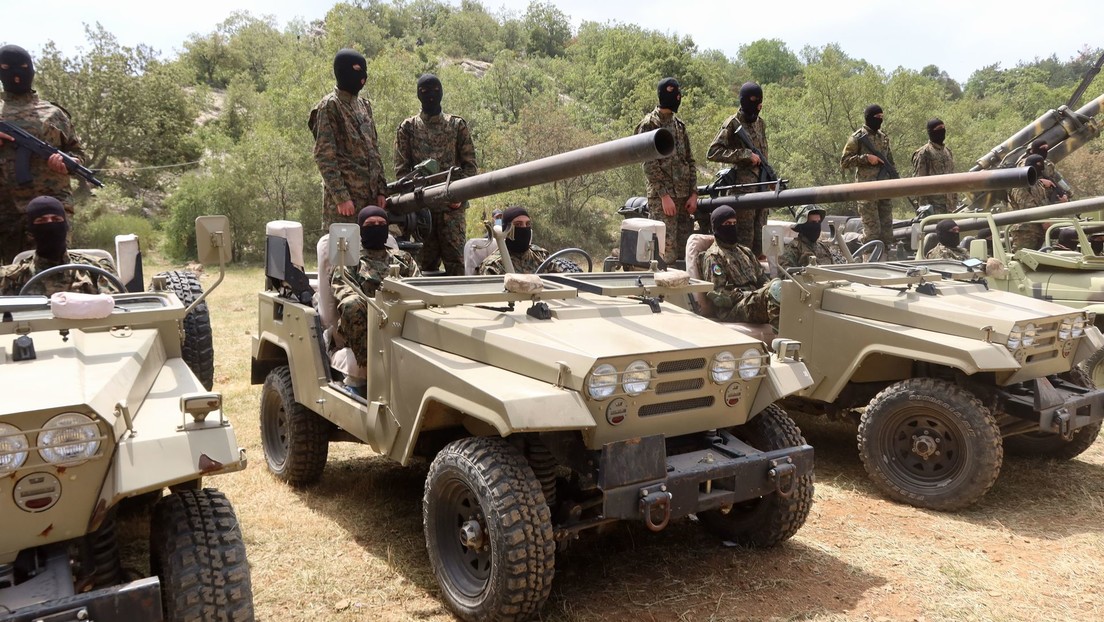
(728, 147)
(372, 269)
(523, 264)
(855, 152)
(50, 124)
(799, 250)
(1050, 172)
(933, 159)
(442, 137)
(14, 276)
(734, 271)
(1031, 196)
(674, 176)
(346, 149)
(945, 252)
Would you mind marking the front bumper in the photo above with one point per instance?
(137, 601)
(1058, 406)
(729, 471)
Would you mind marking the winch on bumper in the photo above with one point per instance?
(640, 481)
(1058, 406)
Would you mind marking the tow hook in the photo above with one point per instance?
(654, 504)
(1061, 422)
(782, 472)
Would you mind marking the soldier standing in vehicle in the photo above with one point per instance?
(376, 259)
(743, 135)
(1028, 234)
(526, 256)
(1058, 190)
(432, 134)
(808, 244)
(346, 147)
(947, 232)
(935, 158)
(672, 181)
(742, 292)
(20, 105)
(48, 224)
(868, 152)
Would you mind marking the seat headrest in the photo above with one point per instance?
(293, 233)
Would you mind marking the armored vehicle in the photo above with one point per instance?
(546, 407)
(105, 400)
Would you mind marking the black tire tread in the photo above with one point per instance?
(308, 445)
(198, 347)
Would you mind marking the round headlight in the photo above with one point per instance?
(1065, 329)
(723, 367)
(1029, 333)
(751, 363)
(69, 438)
(1079, 325)
(1014, 337)
(637, 376)
(13, 448)
(602, 381)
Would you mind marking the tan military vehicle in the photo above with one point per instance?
(105, 400)
(546, 408)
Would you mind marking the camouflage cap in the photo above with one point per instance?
(807, 210)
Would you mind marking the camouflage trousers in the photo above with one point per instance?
(1028, 235)
(679, 227)
(749, 229)
(352, 323)
(877, 220)
(754, 307)
(445, 243)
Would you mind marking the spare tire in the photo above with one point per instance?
(198, 347)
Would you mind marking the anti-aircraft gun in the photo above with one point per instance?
(546, 409)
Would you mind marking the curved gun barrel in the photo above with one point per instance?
(604, 156)
(1053, 126)
(875, 190)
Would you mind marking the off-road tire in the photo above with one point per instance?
(487, 482)
(196, 550)
(198, 348)
(954, 429)
(1052, 446)
(766, 521)
(294, 439)
(1093, 368)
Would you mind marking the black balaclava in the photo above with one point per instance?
(1097, 245)
(348, 79)
(751, 96)
(1067, 237)
(937, 136)
(1039, 146)
(430, 93)
(810, 230)
(873, 122)
(518, 240)
(372, 237)
(1038, 161)
(49, 237)
(669, 100)
(725, 234)
(947, 234)
(15, 57)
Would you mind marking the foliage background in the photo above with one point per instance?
(221, 127)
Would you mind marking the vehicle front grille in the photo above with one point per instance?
(676, 406)
(690, 384)
(667, 367)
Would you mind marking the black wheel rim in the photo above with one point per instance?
(275, 429)
(467, 568)
(925, 447)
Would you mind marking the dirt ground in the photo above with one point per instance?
(352, 547)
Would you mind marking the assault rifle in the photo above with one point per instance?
(887, 170)
(27, 145)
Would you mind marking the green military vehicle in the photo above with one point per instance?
(547, 408)
(108, 398)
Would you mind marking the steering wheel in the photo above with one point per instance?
(874, 247)
(72, 267)
(565, 251)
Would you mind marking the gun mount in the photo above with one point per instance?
(596, 158)
(969, 222)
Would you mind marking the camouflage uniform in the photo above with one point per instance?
(674, 176)
(346, 149)
(933, 159)
(740, 285)
(799, 250)
(955, 253)
(1049, 172)
(877, 216)
(50, 124)
(729, 148)
(523, 264)
(1028, 234)
(352, 321)
(14, 276)
(446, 139)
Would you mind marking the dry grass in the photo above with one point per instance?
(352, 547)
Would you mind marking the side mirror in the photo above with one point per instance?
(979, 249)
(344, 244)
(213, 240)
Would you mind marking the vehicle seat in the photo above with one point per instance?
(284, 260)
(342, 358)
(696, 245)
(475, 251)
(129, 262)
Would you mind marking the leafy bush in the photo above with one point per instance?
(101, 232)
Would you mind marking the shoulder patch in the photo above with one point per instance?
(716, 269)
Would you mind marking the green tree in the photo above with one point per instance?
(548, 29)
(770, 61)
